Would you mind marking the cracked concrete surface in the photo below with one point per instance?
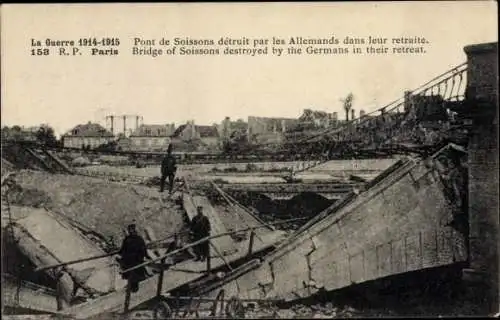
(354, 243)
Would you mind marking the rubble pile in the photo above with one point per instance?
(261, 311)
(102, 206)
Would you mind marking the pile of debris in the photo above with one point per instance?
(103, 206)
(256, 310)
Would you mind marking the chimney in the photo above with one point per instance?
(361, 113)
(225, 127)
(193, 130)
(124, 124)
(353, 114)
(283, 125)
(112, 124)
(136, 122)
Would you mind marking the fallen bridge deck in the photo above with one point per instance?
(289, 190)
(402, 223)
(175, 277)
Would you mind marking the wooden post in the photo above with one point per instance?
(160, 277)
(127, 296)
(250, 246)
(208, 259)
(220, 255)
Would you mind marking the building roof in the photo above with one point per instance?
(88, 130)
(153, 130)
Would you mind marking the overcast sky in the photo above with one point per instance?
(66, 91)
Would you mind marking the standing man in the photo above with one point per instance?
(200, 228)
(133, 252)
(168, 169)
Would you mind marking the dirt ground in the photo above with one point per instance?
(105, 207)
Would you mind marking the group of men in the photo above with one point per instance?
(134, 250)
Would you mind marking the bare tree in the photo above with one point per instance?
(347, 104)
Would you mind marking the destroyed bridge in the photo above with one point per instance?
(432, 211)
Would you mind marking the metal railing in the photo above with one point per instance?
(391, 121)
(450, 85)
(160, 261)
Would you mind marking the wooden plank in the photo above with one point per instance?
(147, 290)
(58, 161)
(191, 270)
(44, 163)
(151, 237)
(189, 206)
(248, 217)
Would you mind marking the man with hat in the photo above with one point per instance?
(200, 228)
(168, 169)
(133, 251)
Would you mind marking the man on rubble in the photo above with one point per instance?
(132, 252)
(200, 228)
(168, 170)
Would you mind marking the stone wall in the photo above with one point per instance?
(482, 110)
(482, 72)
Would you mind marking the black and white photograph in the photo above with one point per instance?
(275, 160)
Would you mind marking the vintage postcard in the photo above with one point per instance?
(249, 160)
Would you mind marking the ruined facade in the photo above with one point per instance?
(480, 112)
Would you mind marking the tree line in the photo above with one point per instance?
(44, 134)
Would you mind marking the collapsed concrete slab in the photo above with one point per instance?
(27, 296)
(187, 272)
(47, 239)
(403, 222)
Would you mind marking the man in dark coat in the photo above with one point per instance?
(133, 252)
(168, 169)
(200, 228)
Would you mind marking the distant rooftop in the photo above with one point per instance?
(88, 130)
(154, 130)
